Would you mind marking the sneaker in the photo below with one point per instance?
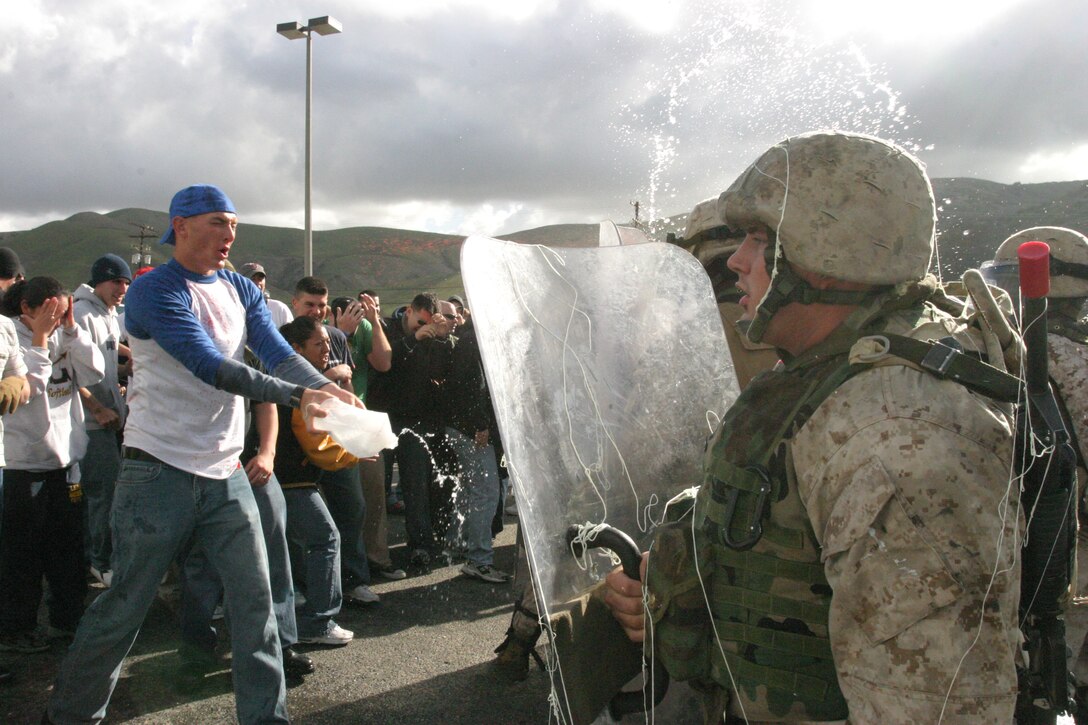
(27, 643)
(300, 599)
(335, 636)
(361, 594)
(387, 571)
(486, 572)
(421, 559)
(511, 505)
(103, 576)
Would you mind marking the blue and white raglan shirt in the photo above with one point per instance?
(187, 333)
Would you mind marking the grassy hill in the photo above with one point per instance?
(975, 216)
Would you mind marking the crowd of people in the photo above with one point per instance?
(162, 422)
(852, 552)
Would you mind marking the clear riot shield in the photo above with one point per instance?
(610, 235)
(608, 368)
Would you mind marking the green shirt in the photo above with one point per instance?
(361, 343)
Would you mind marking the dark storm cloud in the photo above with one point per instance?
(989, 101)
(568, 113)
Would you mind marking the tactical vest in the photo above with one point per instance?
(765, 583)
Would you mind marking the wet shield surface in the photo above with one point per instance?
(608, 368)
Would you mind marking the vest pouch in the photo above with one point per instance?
(740, 500)
(682, 635)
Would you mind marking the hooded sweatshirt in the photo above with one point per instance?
(102, 323)
(11, 363)
(47, 433)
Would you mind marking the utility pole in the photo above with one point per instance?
(141, 256)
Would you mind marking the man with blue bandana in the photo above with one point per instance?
(188, 323)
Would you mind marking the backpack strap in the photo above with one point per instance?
(943, 359)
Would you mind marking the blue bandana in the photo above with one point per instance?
(194, 201)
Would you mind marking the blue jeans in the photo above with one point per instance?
(311, 528)
(156, 509)
(344, 492)
(202, 587)
(415, 464)
(99, 469)
(475, 498)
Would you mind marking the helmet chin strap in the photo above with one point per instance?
(786, 287)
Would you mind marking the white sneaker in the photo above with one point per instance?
(361, 595)
(335, 636)
(103, 577)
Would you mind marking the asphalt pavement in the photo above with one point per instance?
(423, 654)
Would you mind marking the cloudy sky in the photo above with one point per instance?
(490, 116)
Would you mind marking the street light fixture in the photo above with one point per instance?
(325, 25)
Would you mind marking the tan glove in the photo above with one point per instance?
(11, 393)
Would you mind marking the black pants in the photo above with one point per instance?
(42, 534)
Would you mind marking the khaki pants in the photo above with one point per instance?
(375, 530)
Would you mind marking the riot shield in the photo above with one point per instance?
(611, 235)
(608, 369)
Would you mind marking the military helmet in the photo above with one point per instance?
(1068, 258)
(848, 206)
(712, 242)
(703, 218)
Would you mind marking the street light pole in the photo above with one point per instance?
(325, 25)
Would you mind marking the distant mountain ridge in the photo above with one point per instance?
(974, 217)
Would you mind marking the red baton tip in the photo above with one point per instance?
(1034, 269)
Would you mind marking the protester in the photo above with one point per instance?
(42, 531)
(342, 488)
(309, 524)
(410, 392)
(874, 492)
(103, 403)
(368, 343)
(188, 323)
(393, 502)
(470, 421)
(14, 391)
(11, 269)
(281, 313)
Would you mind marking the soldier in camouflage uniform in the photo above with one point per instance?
(712, 243)
(1068, 347)
(852, 550)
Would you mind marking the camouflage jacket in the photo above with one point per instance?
(906, 481)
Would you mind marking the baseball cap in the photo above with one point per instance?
(456, 299)
(10, 266)
(194, 201)
(109, 267)
(251, 268)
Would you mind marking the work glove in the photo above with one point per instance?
(11, 391)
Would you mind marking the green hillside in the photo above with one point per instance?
(974, 217)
